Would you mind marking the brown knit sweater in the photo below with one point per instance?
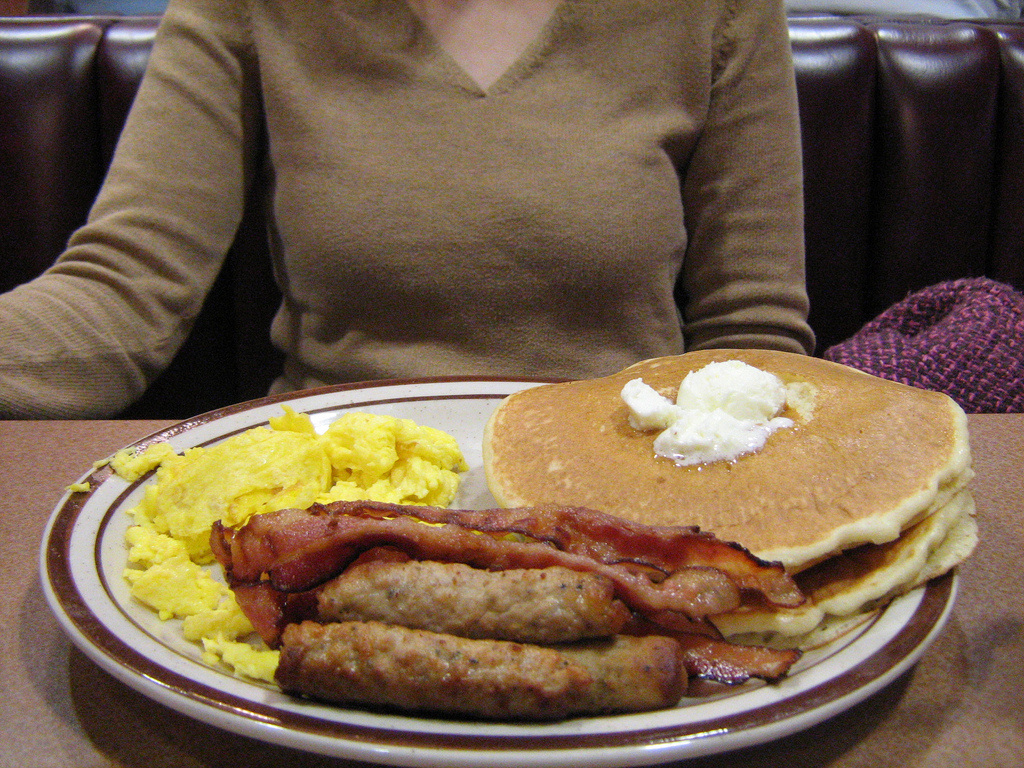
(422, 226)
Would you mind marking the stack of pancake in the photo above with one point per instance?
(864, 498)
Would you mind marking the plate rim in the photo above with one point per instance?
(410, 747)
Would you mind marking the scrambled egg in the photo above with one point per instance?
(285, 465)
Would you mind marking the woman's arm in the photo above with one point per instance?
(743, 277)
(87, 337)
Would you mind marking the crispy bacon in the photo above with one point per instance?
(725, 662)
(708, 656)
(613, 540)
(656, 571)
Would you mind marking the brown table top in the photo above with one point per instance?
(961, 705)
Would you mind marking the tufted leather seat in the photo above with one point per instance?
(913, 137)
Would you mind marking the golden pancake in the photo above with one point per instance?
(853, 583)
(865, 459)
(863, 497)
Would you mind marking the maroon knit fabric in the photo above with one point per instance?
(962, 337)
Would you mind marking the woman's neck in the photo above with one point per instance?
(485, 37)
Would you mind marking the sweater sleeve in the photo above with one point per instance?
(86, 338)
(743, 275)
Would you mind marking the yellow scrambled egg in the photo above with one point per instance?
(285, 465)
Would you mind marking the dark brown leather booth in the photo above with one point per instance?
(913, 158)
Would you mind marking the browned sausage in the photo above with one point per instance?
(550, 605)
(375, 664)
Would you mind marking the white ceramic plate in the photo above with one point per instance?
(83, 556)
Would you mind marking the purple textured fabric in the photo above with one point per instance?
(962, 337)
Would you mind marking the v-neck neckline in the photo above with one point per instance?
(522, 61)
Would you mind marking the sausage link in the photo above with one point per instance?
(375, 664)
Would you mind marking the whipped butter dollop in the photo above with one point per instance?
(721, 412)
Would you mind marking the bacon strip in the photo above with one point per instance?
(613, 540)
(654, 569)
(725, 662)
